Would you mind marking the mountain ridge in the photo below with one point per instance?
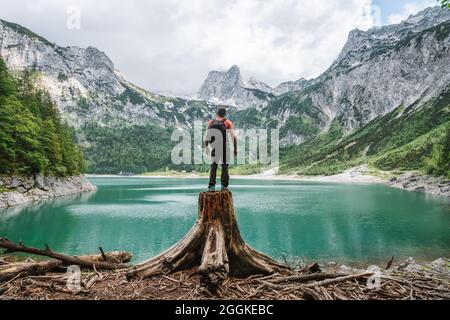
(86, 86)
(378, 71)
(228, 87)
(366, 82)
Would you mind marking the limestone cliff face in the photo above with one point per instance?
(290, 86)
(86, 86)
(377, 71)
(228, 88)
(21, 190)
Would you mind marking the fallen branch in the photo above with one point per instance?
(389, 264)
(112, 257)
(93, 280)
(54, 288)
(309, 277)
(415, 284)
(66, 260)
(337, 280)
(24, 269)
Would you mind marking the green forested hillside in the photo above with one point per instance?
(133, 149)
(33, 139)
(413, 138)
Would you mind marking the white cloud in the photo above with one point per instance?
(171, 45)
(410, 9)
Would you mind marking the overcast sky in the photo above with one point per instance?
(171, 45)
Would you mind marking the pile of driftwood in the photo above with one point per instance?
(104, 276)
(395, 285)
(11, 270)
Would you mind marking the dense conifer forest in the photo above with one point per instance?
(33, 138)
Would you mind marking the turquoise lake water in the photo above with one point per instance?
(314, 221)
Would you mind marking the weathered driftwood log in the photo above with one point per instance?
(23, 269)
(214, 244)
(113, 257)
(12, 270)
(66, 260)
(338, 280)
(309, 277)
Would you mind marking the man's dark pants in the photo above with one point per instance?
(225, 178)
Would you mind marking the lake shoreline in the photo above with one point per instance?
(346, 177)
(409, 181)
(22, 190)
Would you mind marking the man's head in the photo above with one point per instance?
(222, 112)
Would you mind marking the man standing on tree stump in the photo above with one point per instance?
(216, 136)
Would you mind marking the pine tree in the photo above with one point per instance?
(69, 155)
(50, 145)
(28, 158)
(6, 82)
(7, 150)
(443, 162)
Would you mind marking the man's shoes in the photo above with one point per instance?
(213, 189)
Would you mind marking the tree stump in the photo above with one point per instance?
(214, 244)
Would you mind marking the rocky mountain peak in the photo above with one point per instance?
(360, 41)
(229, 78)
(289, 86)
(98, 59)
(229, 88)
(85, 85)
(254, 83)
(234, 70)
(14, 28)
(378, 71)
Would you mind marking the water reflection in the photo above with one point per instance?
(36, 207)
